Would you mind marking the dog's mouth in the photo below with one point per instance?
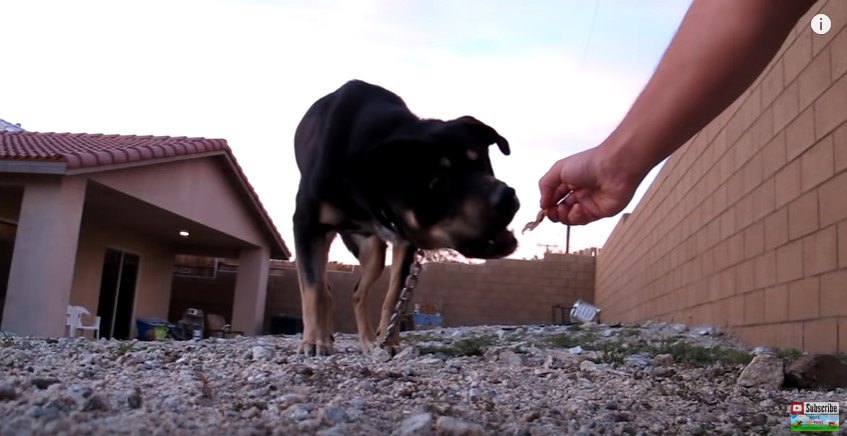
(502, 244)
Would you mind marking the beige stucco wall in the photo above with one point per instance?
(195, 189)
(745, 226)
(153, 288)
(47, 245)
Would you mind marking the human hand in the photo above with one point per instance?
(600, 187)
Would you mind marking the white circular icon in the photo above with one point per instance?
(821, 24)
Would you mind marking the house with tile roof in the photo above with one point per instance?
(97, 221)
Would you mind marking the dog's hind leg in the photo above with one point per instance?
(403, 254)
(312, 248)
(370, 250)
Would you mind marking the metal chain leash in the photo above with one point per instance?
(405, 296)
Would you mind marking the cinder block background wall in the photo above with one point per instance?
(746, 225)
(496, 292)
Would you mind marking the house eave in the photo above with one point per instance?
(33, 166)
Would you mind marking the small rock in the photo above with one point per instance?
(408, 353)
(575, 350)
(7, 392)
(47, 413)
(133, 400)
(588, 366)
(554, 362)
(298, 412)
(761, 349)
(662, 360)
(80, 392)
(262, 353)
(677, 328)
(640, 360)
(531, 416)
(57, 426)
(474, 393)
(247, 355)
(308, 425)
(44, 383)
(367, 386)
(250, 413)
(380, 355)
(449, 426)
(705, 330)
(820, 371)
(333, 415)
(288, 400)
(418, 425)
(512, 358)
(765, 371)
(95, 403)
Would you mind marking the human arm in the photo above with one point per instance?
(719, 49)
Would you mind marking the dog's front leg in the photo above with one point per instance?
(371, 255)
(403, 254)
(312, 254)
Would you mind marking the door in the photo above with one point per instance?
(117, 293)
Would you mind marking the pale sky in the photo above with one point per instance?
(246, 71)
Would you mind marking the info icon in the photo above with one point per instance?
(821, 24)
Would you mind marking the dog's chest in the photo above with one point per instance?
(334, 217)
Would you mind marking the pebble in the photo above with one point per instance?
(44, 383)
(662, 360)
(417, 425)
(133, 399)
(765, 371)
(380, 355)
(8, 392)
(513, 359)
(588, 366)
(95, 403)
(333, 415)
(408, 353)
(449, 426)
(262, 353)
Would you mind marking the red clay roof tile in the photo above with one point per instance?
(81, 150)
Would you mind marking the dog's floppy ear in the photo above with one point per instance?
(485, 131)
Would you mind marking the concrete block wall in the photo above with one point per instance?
(745, 227)
(496, 292)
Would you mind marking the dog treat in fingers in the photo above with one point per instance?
(543, 213)
(533, 224)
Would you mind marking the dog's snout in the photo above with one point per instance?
(505, 200)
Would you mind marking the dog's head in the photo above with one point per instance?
(432, 184)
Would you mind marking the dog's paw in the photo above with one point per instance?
(311, 349)
(392, 349)
(367, 344)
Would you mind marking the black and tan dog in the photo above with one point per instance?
(374, 173)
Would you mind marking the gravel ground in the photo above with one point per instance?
(654, 378)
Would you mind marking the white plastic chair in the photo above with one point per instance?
(74, 321)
